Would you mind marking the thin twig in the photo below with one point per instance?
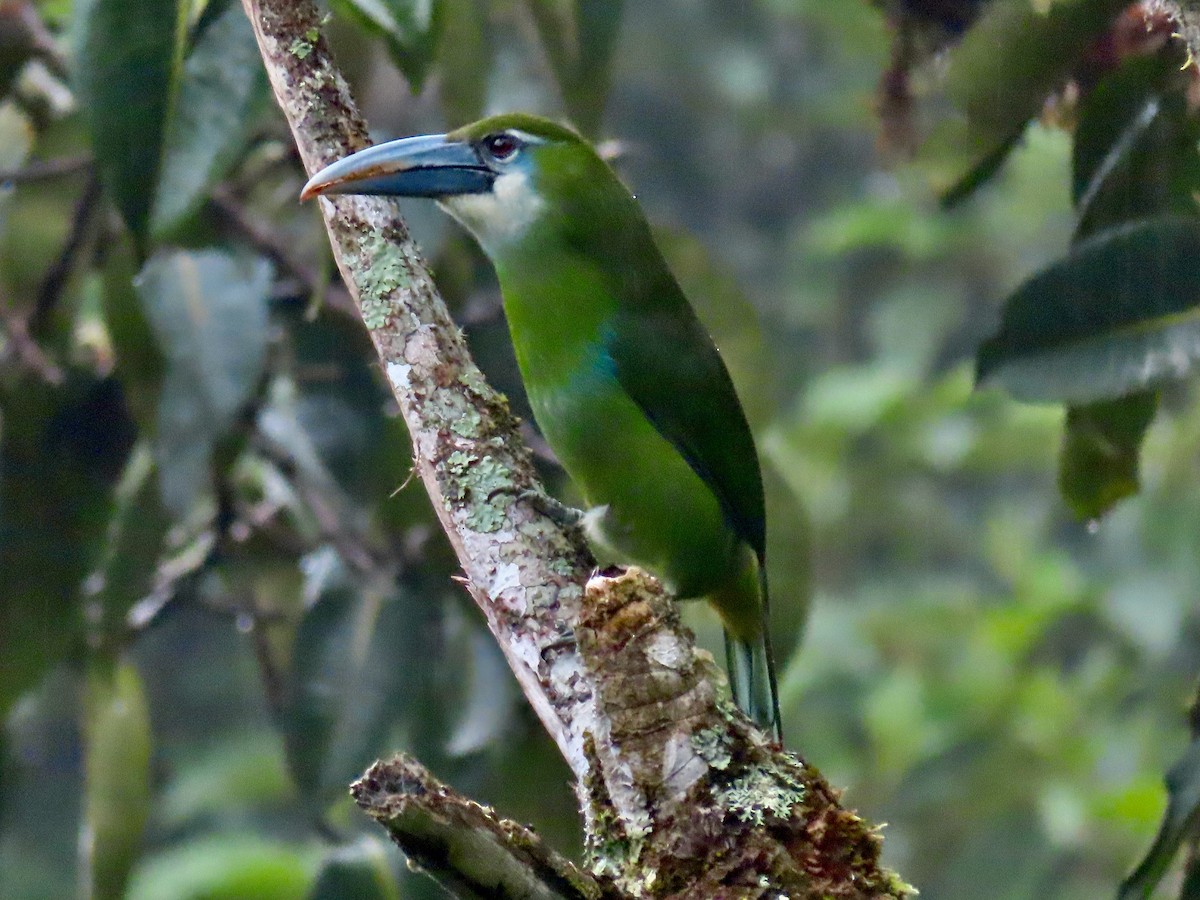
(55, 279)
(333, 513)
(261, 235)
(27, 351)
(269, 669)
(266, 239)
(46, 169)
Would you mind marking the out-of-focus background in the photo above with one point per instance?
(220, 598)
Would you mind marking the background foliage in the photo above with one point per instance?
(218, 601)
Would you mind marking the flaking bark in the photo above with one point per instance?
(680, 795)
(465, 845)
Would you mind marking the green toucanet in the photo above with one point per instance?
(625, 383)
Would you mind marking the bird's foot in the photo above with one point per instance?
(558, 512)
(555, 510)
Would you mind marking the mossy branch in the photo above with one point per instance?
(680, 794)
(466, 846)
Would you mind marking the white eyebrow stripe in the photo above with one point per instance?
(525, 137)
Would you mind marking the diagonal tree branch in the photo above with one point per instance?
(680, 795)
(464, 845)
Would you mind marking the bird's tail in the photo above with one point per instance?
(751, 667)
(752, 682)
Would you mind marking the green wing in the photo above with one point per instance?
(666, 361)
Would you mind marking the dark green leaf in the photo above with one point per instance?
(579, 37)
(1179, 821)
(222, 93)
(1135, 146)
(410, 28)
(344, 690)
(117, 762)
(127, 74)
(1117, 315)
(981, 173)
(208, 310)
(61, 450)
(1015, 56)
(359, 870)
(464, 60)
(139, 362)
(129, 563)
(1099, 463)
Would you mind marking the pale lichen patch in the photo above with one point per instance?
(399, 375)
(666, 650)
(421, 348)
(682, 766)
(712, 746)
(301, 48)
(506, 577)
(485, 484)
(384, 273)
(562, 567)
(760, 793)
(485, 518)
(468, 424)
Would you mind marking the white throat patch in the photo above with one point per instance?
(502, 214)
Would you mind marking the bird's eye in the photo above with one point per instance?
(501, 147)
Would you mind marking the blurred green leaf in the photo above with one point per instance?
(242, 772)
(344, 691)
(409, 28)
(358, 871)
(1101, 444)
(225, 867)
(464, 60)
(128, 60)
(579, 37)
(222, 94)
(982, 172)
(1135, 146)
(1000, 75)
(140, 365)
(129, 563)
(1179, 821)
(1015, 55)
(492, 698)
(61, 450)
(1134, 157)
(208, 310)
(1118, 314)
(117, 747)
(877, 223)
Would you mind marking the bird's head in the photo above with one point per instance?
(495, 176)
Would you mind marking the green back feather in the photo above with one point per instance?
(663, 357)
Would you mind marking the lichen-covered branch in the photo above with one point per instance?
(466, 846)
(1186, 15)
(680, 795)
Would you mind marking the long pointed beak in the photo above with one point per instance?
(424, 166)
